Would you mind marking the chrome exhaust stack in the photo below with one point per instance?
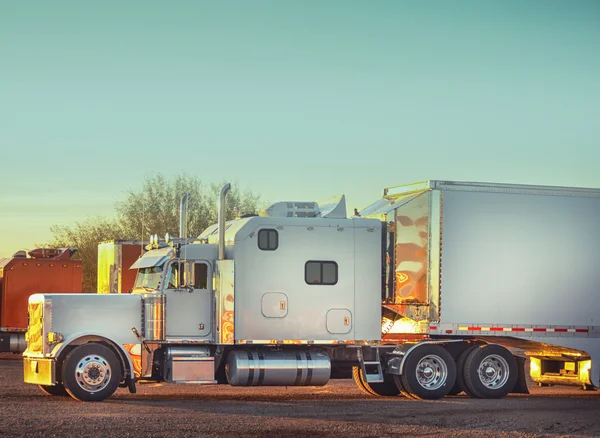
(183, 210)
(222, 213)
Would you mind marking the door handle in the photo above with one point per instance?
(346, 320)
(282, 305)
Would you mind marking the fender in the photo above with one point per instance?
(396, 359)
(82, 338)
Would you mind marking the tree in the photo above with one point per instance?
(154, 209)
(85, 236)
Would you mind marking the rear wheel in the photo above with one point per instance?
(429, 372)
(490, 371)
(460, 372)
(359, 382)
(387, 388)
(401, 388)
(56, 390)
(456, 389)
(91, 372)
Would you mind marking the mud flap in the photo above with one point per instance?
(131, 385)
(521, 385)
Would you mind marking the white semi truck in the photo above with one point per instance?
(437, 288)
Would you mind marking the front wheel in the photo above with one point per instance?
(55, 390)
(429, 373)
(91, 372)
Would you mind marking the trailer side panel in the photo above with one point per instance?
(520, 259)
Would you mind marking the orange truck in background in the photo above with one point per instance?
(42, 270)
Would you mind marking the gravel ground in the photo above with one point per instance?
(339, 409)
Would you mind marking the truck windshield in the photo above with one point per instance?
(148, 278)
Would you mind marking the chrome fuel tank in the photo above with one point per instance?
(277, 368)
(153, 318)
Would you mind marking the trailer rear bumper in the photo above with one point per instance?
(39, 371)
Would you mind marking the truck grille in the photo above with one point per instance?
(35, 331)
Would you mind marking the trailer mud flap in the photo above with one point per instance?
(521, 385)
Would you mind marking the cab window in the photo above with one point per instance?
(200, 276)
(196, 275)
(175, 278)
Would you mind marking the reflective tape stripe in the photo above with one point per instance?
(515, 329)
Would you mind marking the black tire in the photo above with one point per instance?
(387, 388)
(456, 389)
(401, 388)
(91, 372)
(359, 383)
(221, 376)
(436, 359)
(460, 371)
(498, 360)
(57, 390)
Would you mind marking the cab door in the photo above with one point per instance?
(189, 300)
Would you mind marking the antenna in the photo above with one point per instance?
(142, 239)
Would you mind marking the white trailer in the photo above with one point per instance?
(422, 294)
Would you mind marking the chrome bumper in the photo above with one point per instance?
(39, 371)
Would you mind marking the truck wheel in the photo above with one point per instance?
(91, 372)
(456, 389)
(490, 371)
(356, 375)
(401, 388)
(387, 388)
(57, 390)
(429, 372)
(460, 372)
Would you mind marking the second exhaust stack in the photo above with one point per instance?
(221, 221)
(183, 209)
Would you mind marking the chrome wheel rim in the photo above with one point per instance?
(432, 372)
(93, 373)
(493, 371)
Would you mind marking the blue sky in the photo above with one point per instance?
(295, 100)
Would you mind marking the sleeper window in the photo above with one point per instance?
(323, 273)
(268, 240)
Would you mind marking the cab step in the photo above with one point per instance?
(371, 370)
